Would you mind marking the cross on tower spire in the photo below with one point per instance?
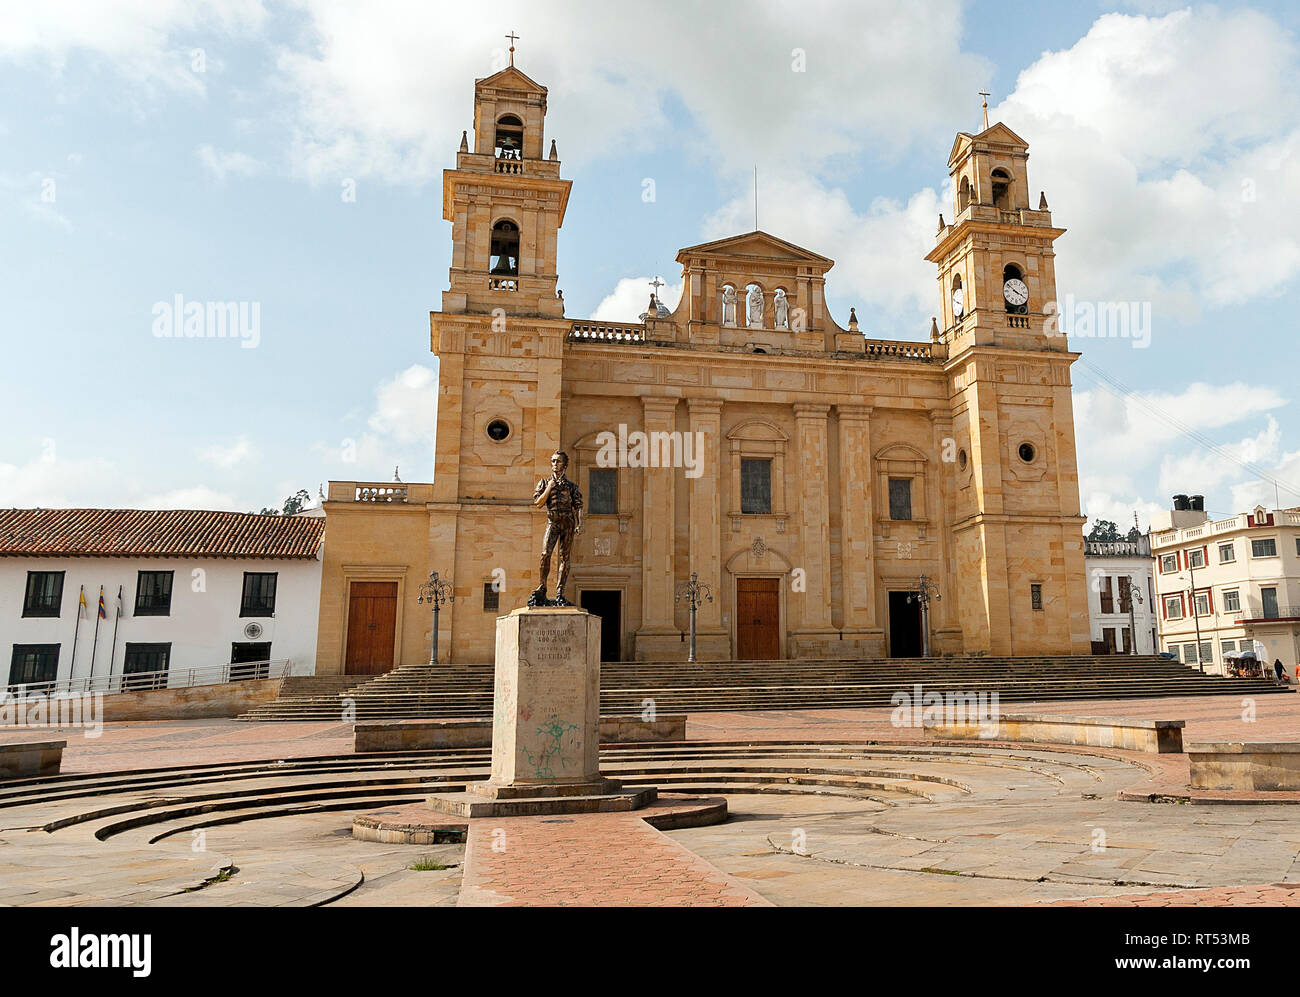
(983, 93)
(513, 38)
(655, 285)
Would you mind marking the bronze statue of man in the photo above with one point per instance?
(563, 503)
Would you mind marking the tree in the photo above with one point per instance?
(293, 505)
(1104, 532)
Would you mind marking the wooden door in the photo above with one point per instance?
(758, 619)
(372, 625)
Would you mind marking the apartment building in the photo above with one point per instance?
(1222, 585)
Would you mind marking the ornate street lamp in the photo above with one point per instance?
(696, 591)
(435, 592)
(925, 591)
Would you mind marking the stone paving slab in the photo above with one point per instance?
(598, 860)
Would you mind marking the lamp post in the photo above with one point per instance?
(925, 590)
(435, 592)
(1135, 596)
(696, 591)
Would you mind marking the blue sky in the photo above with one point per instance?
(153, 148)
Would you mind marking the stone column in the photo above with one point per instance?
(658, 534)
(706, 521)
(858, 567)
(813, 515)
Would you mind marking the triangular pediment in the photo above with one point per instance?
(995, 134)
(755, 245)
(510, 78)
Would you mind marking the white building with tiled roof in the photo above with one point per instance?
(182, 590)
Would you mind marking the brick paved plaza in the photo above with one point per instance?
(830, 807)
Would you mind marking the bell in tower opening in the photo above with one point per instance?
(509, 142)
(505, 249)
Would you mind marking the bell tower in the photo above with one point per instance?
(505, 201)
(1017, 533)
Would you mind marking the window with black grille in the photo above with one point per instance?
(32, 663)
(44, 593)
(153, 593)
(755, 486)
(491, 598)
(1036, 596)
(900, 498)
(602, 491)
(259, 594)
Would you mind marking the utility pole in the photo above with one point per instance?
(1196, 617)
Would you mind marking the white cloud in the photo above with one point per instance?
(223, 164)
(373, 101)
(227, 457)
(1176, 180)
(406, 406)
(198, 497)
(631, 296)
(147, 41)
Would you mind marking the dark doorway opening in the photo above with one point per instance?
(250, 661)
(608, 605)
(904, 626)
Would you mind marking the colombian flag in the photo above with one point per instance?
(103, 613)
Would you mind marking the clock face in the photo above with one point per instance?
(958, 302)
(1015, 291)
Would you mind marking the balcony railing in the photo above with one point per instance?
(168, 678)
(510, 167)
(1255, 610)
(366, 492)
(885, 349)
(606, 332)
(503, 283)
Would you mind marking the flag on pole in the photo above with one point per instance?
(82, 608)
(103, 611)
(119, 602)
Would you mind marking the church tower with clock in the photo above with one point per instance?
(1017, 527)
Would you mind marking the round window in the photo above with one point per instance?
(498, 430)
(1026, 452)
(961, 459)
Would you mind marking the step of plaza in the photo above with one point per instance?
(628, 688)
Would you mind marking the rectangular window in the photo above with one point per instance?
(1169, 563)
(1227, 552)
(259, 594)
(44, 593)
(1173, 607)
(1227, 647)
(33, 663)
(1108, 638)
(1232, 601)
(1202, 604)
(140, 664)
(1107, 595)
(1196, 558)
(900, 498)
(1189, 654)
(1128, 641)
(1036, 596)
(1125, 593)
(755, 487)
(153, 593)
(1263, 548)
(491, 598)
(1207, 653)
(602, 491)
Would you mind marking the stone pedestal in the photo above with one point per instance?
(545, 722)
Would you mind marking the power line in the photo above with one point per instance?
(1122, 391)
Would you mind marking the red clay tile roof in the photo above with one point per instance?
(156, 533)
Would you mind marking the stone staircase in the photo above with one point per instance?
(465, 690)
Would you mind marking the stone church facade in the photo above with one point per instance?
(807, 474)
